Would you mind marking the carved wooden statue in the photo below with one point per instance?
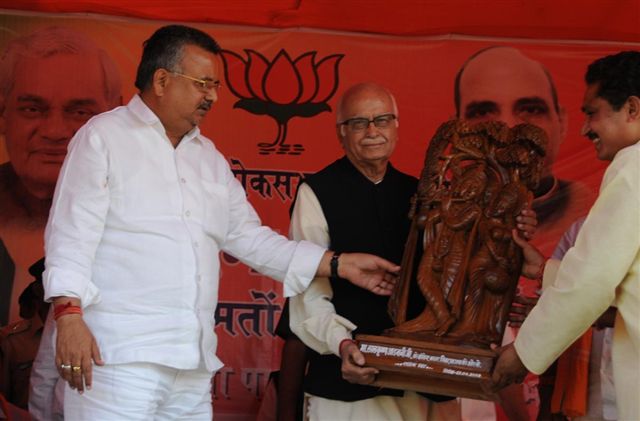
(475, 181)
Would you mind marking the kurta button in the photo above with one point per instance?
(188, 213)
(182, 180)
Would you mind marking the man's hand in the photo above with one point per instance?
(367, 271)
(527, 221)
(76, 349)
(353, 369)
(533, 260)
(509, 369)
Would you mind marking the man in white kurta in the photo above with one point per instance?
(142, 208)
(603, 268)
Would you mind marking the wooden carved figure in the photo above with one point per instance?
(476, 179)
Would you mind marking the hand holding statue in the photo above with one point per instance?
(509, 369)
(534, 261)
(353, 364)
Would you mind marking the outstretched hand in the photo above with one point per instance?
(370, 272)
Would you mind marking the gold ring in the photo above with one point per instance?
(76, 368)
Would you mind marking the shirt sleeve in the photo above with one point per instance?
(313, 317)
(590, 272)
(77, 218)
(274, 255)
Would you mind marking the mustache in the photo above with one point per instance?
(205, 105)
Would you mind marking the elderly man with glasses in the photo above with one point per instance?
(143, 206)
(359, 202)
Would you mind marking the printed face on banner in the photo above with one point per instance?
(185, 101)
(372, 144)
(51, 98)
(603, 125)
(503, 84)
(282, 89)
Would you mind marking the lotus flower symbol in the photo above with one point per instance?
(282, 89)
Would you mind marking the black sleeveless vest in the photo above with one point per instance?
(362, 217)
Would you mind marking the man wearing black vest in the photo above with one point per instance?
(358, 203)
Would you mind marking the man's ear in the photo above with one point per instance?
(633, 108)
(160, 81)
(341, 132)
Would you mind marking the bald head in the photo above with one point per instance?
(501, 83)
(507, 54)
(355, 93)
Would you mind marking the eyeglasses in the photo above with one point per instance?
(203, 85)
(357, 124)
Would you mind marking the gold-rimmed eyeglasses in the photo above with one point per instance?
(357, 124)
(203, 85)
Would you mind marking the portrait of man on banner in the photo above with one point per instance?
(51, 82)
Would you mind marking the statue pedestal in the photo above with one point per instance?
(443, 369)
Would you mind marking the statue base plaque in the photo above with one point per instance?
(442, 369)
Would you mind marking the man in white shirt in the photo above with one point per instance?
(143, 206)
(603, 267)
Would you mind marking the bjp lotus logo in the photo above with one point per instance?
(282, 89)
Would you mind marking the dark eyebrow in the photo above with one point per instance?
(82, 102)
(533, 100)
(31, 98)
(479, 106)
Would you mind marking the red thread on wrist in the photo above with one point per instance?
(342, 342)
(65, 309)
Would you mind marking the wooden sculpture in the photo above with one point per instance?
(475, 181)
(460, 253)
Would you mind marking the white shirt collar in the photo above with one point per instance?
(141, 110)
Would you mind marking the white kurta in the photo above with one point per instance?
(603, 267)
(135, 232)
